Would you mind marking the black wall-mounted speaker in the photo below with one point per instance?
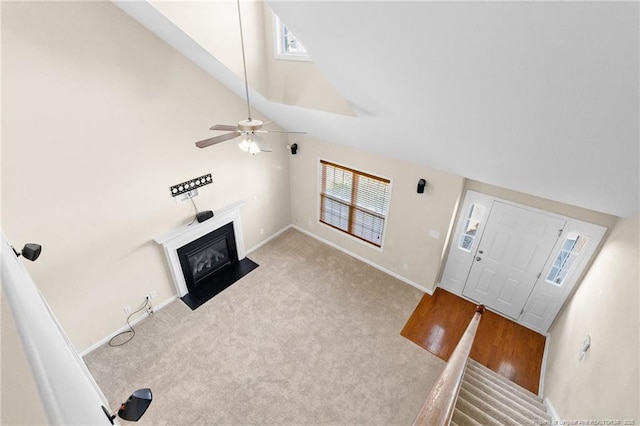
(421, 184)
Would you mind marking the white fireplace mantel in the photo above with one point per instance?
(179, 237)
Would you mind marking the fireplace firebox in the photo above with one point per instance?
(203, 258)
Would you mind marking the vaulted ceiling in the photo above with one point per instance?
(538, 97)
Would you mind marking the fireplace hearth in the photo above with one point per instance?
(210, 264)
(206, 258)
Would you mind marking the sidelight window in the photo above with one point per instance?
(354, 202)
(472, 222)
(569, 252)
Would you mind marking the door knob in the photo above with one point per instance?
(478, 259)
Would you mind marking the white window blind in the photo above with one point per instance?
(354, 202)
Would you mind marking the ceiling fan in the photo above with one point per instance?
(251, 141)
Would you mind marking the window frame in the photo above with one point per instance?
(278, 48)
(341, 231)
(573, 254)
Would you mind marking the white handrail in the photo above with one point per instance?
(68, 392)
(438, 409)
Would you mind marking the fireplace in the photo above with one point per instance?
(205, 258)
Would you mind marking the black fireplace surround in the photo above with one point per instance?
(210, 264)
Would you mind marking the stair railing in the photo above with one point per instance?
(438, 408)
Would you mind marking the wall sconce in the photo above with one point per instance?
(421, 184)
(294, 148)
(133, 408)
(30, 251)
(190, 185)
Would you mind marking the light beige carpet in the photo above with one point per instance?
(311, 337)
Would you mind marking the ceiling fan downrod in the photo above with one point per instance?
(244, 62)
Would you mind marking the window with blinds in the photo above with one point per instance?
(354, 202)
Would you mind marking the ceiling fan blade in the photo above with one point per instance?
(226, 127)
(280, 131)
(212, 141)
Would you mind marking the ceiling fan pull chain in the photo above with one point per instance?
(244, 62)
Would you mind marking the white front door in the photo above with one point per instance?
(511, 254)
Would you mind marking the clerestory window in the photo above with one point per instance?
(286, 45)
(354, 202)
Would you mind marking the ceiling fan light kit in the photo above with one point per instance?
(251, 142)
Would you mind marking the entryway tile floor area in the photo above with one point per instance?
(509, 349)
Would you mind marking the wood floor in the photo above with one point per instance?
(505, 347)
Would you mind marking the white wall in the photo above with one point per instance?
(604, 385)
(99, 118)
(19, 401)
(299, 83)
(568, 210)
(410, 218)
(214, 25)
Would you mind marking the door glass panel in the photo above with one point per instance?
(472, 222)
(566, 257)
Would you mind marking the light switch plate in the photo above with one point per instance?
(434, 234)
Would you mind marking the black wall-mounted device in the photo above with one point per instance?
(421, 184)
(30, 251)
(294, 149)
(202, 216)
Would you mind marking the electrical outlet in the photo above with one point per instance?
(148, 298)
(127, 309)
(153, 294)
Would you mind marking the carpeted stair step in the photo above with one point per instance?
(461, 419)
(500, 413)
(503, 396)
(486, 398)
(490, 377)
(506, 387)
(467, 413)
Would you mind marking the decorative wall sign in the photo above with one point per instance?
(191, 184)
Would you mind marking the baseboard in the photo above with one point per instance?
(551, 410)
(367, 261)
(126, 327)
(166, 302)
(252, 249)
(545, 356)
(263, 242)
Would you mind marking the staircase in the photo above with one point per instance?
(487, 398)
